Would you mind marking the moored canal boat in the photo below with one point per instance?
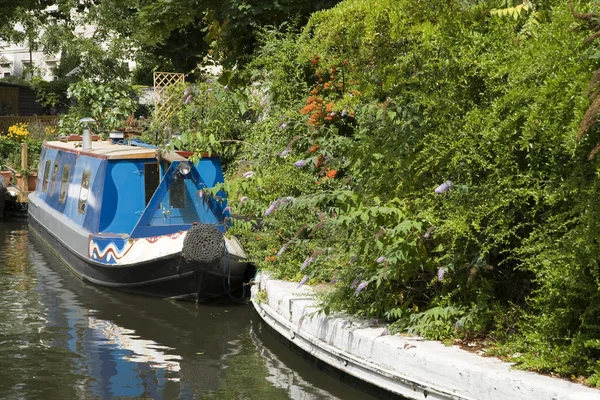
(136, 219)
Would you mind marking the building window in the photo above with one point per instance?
(64, 183)
(6, 74)
(53, 179)
(46, 174)
(84, 191)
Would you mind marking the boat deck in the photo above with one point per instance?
(105, 150)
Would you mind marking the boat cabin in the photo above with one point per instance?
(128, 190)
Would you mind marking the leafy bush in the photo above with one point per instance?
(108, 104)
(423, 161)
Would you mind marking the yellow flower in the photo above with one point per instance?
(18, 131)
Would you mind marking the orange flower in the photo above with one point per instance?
(331, 173)
(314, 148)
(270, 258)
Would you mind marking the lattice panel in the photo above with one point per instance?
(164, 107)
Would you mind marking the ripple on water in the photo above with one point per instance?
(61, 338)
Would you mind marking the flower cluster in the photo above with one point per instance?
(18, 131)
(331, 83)
(50, 131)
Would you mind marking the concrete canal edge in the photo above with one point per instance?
(407, 366)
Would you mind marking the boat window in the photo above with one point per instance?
(64, 183)
(84, 191)
(46, 173)
(53, 179)
(151, 179)
(177, 193)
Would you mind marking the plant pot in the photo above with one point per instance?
(6, 175)
(31, 182)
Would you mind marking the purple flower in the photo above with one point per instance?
(380, 260)
(226, 209)
(299, 163)
(283, 126)
(243, 199)
(344, 112)
(360, 287)
(334, 280)
(332, 114)
(188, 99)
(248, 174)
(346, 322)
(306, 262)
(282, 249)
(272, 207)
(302, 282)
(209, 80)
(187, 91)
(208, 91)
(355, 282)
(440, 274)
(443, 187)
(385, 333)
(284, 153)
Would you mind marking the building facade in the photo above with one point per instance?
(19, 61)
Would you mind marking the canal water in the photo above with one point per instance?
(61, 338)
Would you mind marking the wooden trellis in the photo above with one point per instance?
(164, 107)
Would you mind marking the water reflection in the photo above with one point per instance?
(61, 338)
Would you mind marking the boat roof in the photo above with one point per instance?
(105, 150)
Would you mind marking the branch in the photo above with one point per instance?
(584, 16)
(592, 38)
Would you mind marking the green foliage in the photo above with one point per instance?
(210, 118)
(108, 104)
(421, 161)
(229, 28)
(10, 153)
(372, 108)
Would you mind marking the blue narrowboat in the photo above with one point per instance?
(137, 219)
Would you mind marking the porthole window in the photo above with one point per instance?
(46, 174)
(64, 183)
(53, 179)
(84, 191)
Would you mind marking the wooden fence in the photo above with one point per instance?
(41, 121)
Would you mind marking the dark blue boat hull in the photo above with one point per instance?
(166, 277)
